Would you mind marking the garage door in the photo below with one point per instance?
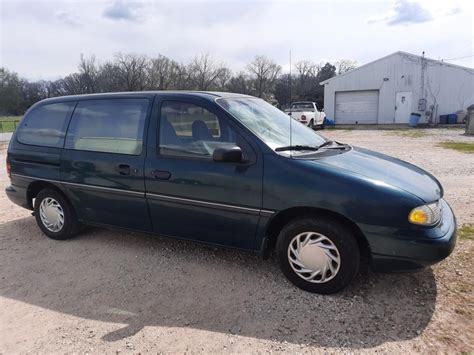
(356, 107)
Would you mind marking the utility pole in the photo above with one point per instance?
(291, 118)
(422, 88)
(290, 81)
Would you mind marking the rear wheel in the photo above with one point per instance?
(311, 124)
(55, 215)
(318, 255)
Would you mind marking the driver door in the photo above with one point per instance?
(191, 196)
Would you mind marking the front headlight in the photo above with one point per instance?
(426, 215)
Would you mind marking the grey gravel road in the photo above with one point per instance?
(110, 291)
(5, 137)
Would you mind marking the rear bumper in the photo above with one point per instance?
(18, 195)
(393, 252)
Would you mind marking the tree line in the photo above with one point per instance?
(262, 77)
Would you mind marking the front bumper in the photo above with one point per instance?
(417, 248)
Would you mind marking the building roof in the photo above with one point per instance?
(403, 54)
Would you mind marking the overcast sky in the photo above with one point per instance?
(43, 39)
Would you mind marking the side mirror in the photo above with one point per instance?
(231, 154)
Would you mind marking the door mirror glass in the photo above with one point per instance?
(229, 154)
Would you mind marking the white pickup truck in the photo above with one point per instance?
(307, 113)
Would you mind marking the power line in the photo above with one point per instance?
(467, 56)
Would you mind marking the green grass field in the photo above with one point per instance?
(466, 232)
(9, 123)
(459, 146)
(409, 133)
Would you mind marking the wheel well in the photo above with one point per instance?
(284, 217)
(35, 187)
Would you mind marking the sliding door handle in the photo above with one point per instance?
(123, 169)
(161, 175)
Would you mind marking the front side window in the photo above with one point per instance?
(271, 125)
(110, 126)
(191, 130)
(46, 125)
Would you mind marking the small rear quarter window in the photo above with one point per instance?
(46, 125)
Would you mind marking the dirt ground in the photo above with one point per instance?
(109, 291)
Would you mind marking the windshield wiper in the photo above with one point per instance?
(312, 148)
(329, 142)
(325, 144)
(296, 147)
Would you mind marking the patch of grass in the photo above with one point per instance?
(463, 312)
(466, 232)
(8, 123)
(459, 146)
(409, 133)
(446, 339)
(335, 128)
(10, 118)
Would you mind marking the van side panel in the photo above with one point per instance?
(100, 194)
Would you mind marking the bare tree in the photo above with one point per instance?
(162, 73)
(240, 83)
(306, 79)
(132, 70)
(344, 65)
(89, 72)
(182, 77)
(223, 79)
(264, 72)
(307, 68)
(72, 84)
(204, 71)
(109, 78)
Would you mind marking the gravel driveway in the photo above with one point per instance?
(117, 291)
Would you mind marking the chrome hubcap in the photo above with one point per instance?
(51, 214)
(314, 257)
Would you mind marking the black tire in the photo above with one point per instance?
(71, 225)
(311, 124)
(338, 234)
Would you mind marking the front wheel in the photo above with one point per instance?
(311, 124)
(318, 255)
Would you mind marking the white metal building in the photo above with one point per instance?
(389, 89)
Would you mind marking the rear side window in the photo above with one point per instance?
(111, 126)
(46, 125)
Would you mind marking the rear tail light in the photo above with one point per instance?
(9, 168)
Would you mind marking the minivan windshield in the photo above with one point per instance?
(270, 124)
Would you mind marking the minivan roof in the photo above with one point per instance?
(204, 94)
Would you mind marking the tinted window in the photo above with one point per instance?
(191, 130)
(112, 126)
(45, 125)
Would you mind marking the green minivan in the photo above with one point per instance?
(229, 170)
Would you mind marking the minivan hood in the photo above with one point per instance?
(392, 171)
